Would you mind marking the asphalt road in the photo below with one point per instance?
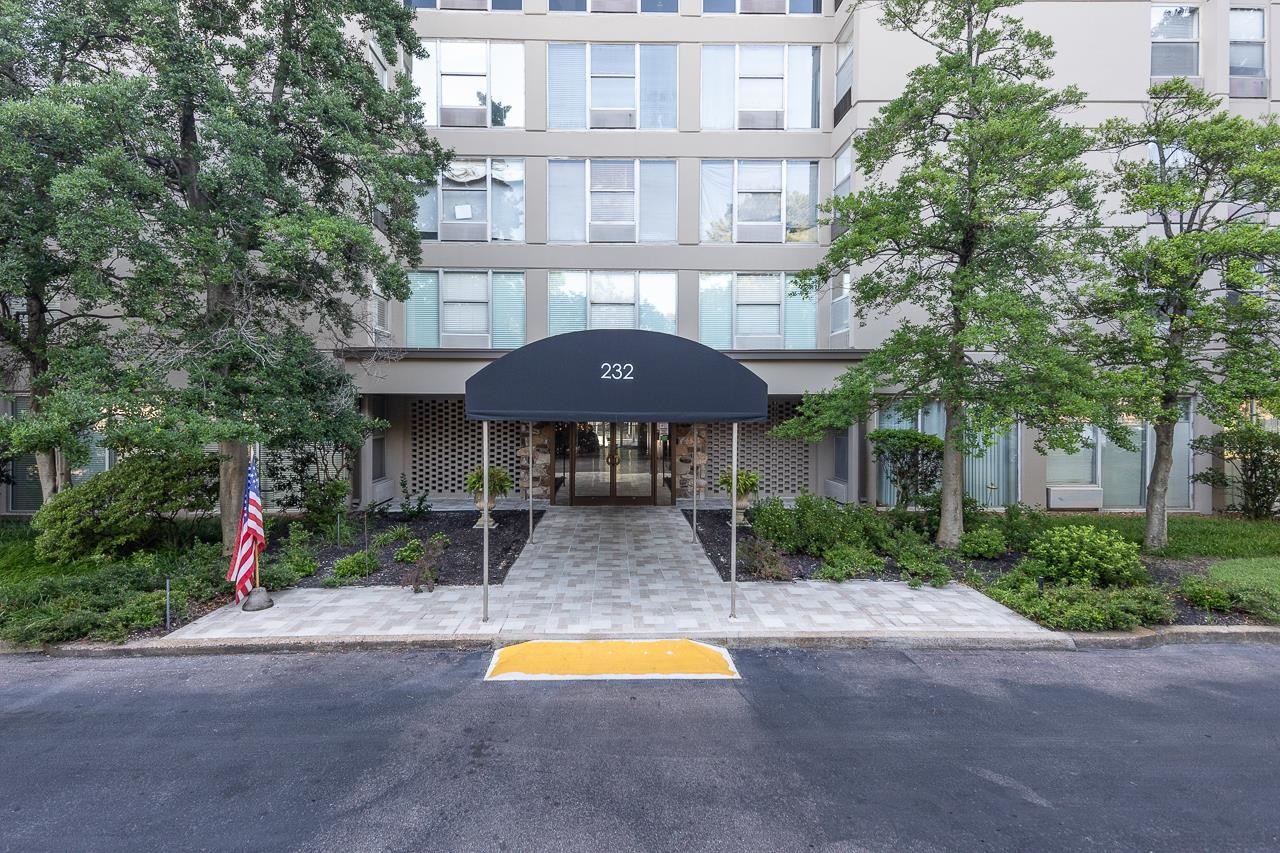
(1168, 749)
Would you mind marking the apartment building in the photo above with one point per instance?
(657, 165)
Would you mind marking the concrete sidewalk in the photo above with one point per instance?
(623, 572)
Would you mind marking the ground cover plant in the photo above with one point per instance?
(1249, 587)
(1190, 535)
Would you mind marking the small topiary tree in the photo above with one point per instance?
(912, 460)
(1247, 457)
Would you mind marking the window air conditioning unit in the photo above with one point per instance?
(762, 7)
(759, 232)
(463, 116)
(465, 5)
(613, 6)
(467, 232)
(1073, 497)
(613, 118)
(760, 119)
(613, 232)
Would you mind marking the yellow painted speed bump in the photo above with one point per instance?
(551, 660)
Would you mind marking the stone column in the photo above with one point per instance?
(683, 456)
(544, 436)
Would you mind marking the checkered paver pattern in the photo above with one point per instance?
(619, 571)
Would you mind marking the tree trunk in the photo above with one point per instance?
(951, 524)
(47, 470)
(62, 467)
(1157, 533)
(233, 467)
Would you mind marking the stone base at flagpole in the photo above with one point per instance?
(257, 599)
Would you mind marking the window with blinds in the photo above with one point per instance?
(1248, 49)
(611, 201)
(755, 311)
(1175, 41)
(611, 86)
(478, 309)
(990, 476)
(611, 299)
(773, 86)
(471, 83)
(759, 201)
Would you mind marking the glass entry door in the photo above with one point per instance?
(613, 463)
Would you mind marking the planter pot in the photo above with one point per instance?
(493, 500)
(740, 510)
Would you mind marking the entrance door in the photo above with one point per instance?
(613, 463)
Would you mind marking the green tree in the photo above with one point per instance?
(1192, 310)
(70, 198)
(287, 181)
(977, 211)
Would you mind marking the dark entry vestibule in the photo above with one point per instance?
(612, 463)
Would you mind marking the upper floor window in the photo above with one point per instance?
(759, 86)
(844, 80)
(762, 7)
(611, 201)
(754, 311)
(471, 83)
(381, 68)
(613, 5)
(611, 299)
(476, 200)
(467, 5)
(1175, 41)
(481, 309)
(759, 201)
(611, 86)
(1248, 53)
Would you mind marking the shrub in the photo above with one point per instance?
(748, 482)
(1087, 555)
(425, 568)
(912, 460)
(440, 538)
(1079, 607)
(295, 562)
(763, 559)
(844, 562)
(1230, 597)
(1021, 525)
(358, 565)
(125, 507)
(322, 502)
(974, 515)
(1248, 458)
(985, 542)
(412, 506)
(771, 520)
(500, 482)
(410, 552)
(399, 533)
(918, 561)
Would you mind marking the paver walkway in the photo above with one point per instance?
(622, 572)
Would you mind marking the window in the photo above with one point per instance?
(775, 86)
(990, 477)
(381, 71)
(762, 7)
(1248, 43)
(377, 409)
(742, 201)
(611, 86)
(471, 83)
(465, 308)
(1175, 41)
(754, 311)
(840, 303)
(379, 306)
(1123, 473)
(840, 458)
(1074, 469)
(611, 201)
(613, 5)
(468, 5)
(844, 80)
(578, 300)
(476, 201)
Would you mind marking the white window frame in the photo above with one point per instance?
(1195, 41)
(434, 50)
(635, 201)
(786, 88)
(438, 189)
(635, 292)
(734, 212)
(1261, 43)
(743, 7)
(588, 75)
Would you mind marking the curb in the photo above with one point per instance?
(1170, 635)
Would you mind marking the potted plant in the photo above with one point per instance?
(748, 485)
(500, 484)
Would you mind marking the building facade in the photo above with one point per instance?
(658, 164)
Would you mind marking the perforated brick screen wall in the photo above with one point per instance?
(444, 446)
(784, 465)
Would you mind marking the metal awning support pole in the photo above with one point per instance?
(530, 482)
(733, 527)
(693, 458)
(484, 516)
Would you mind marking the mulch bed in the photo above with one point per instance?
(713, 532)
(461, 563)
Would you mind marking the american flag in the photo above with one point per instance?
(249, 539)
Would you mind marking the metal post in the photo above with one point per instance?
(530, 481)
(167, 611)
(733, 527)
(484, 515)
(693, 458)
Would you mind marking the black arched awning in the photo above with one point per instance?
(616, 375)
